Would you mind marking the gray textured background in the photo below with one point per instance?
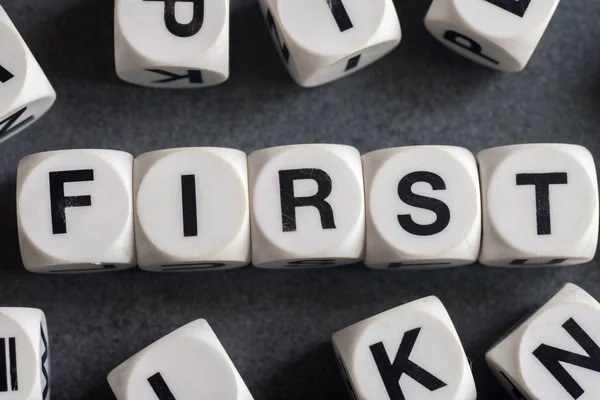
(277, 325)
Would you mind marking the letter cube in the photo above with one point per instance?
(191, 208)
(540, 205)
(75, 211)
(423, 207)
(500, 34)
(410, 352)
(25, 92)
(187, 364)
(307, 206)
(24, 354)
(555, 353)
(323, 40)
(174, 44)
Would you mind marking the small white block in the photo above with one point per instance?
(307, 206)
(410, 352)
(423, 207)
(192, 211)
(187, 364)
(75, 211)
(540, 205)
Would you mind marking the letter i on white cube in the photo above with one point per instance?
(191, 207)
(25, 92)
(172, 44)
(307, 206)
(187, 364)
(423, 207)
(411, 352)
(75, 211)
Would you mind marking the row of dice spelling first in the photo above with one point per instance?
(302, 206)
(318, 40)
(411, 352)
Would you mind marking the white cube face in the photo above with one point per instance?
(307, 206)
(75, 211)
(409, 352)
(25, 93)
(321, 41)
(540, 205)
(554, 354)
(24, 355)
(187, 364)
(499, 34)
(192, 211)
(173, 44)
(423, 207)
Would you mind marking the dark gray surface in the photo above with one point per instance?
(277, 325)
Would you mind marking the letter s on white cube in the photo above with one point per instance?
(75, 211)
(307, 206)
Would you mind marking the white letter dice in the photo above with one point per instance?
(423, 207)
(540, 205)
(555, 354)
(411, 352)
(500, 34)
(323, 40)
(25, 93)
(75, 211)
(192, 211)
(24, 354)
(173, 44)
(307, 206)
(187, 364)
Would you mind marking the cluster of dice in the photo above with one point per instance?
(411, 352)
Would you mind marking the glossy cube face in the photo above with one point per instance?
(410, 352)
(554, 354)
(500, 34)
(540, 205)
(307, 206)
(75, 211)
(187, 364)
(173, 44)
(320, 41)
(423, 207)
(25, 93)
(192, 211)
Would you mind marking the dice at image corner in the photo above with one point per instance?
(187, 364)
(500, 34)
(423, 207)
(411, 352)
(24, 354)
(323, 40)
(75, 211)
(25, 92)
(307, 206)
(539, 205)
(191, 209)
(172, 44)
(553, 354)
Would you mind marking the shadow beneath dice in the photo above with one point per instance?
(101, 392)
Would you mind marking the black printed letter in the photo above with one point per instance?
(8, 357)
(194, 75)
(542, 184)
(340, 14)
(183, 30)
(5, 75)
(58, 201)
(470, 45)
(160, 387)
(188, 205)
(6, 125)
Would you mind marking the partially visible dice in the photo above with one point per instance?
(307, 206)
(192, 211)
(323, 40)
(187, 364)
(25, 92)
(423, 207)
(75, 211)
(540, 205)
(174, 44)
(411, 352)
(555, 353)
(500, 34)
(24, 354)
